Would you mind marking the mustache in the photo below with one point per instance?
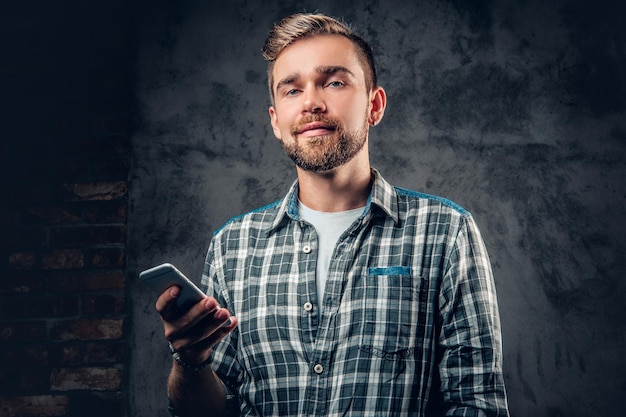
(332, 123)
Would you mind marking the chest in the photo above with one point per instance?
(381, 290)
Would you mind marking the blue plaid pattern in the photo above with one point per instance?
(410, 324)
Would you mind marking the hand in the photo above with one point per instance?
(194, 333)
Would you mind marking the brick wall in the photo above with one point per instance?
(65, 159)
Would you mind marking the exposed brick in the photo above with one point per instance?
(23, 331)
(22, 307)
(97, 404)
(23, 237)
(88, 329)
(86, 353)
(70, 169)
(109, 212)
(22, 260)
(98, 379)
(81, 280)
(53, 215)
(103, 305)
(71, 353)
(34, 406)
(108, 145)
(59, 167)
(64, 306)
(29, 355)
(105, 190)
(108, 258)
(63, 259)
(70, 236)
(119, 144)
(31, 379)
(104, 352)
(77, 212)
(34, 192)
(87, 235)
(63, 227)
(22, 282)
(39, 306)
(111, 168)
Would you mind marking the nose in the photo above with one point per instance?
(313, 101)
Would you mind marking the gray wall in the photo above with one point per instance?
(515, 110)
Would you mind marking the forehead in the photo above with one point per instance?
(305, 55)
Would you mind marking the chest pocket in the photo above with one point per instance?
(391, 312)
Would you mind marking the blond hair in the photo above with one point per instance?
(307, 25)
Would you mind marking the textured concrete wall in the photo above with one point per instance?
(516, 110)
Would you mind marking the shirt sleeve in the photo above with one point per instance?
(224, 355)
(470, 346)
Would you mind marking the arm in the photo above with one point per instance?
(472, 380)
(193, 335)
(196, 393)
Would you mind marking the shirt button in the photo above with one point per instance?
(308, 306)
(306, 249)
(318, 369)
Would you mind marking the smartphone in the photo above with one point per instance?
(163, 276)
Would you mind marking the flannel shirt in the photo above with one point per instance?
(410, 325)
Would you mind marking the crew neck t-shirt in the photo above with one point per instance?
(329, 227)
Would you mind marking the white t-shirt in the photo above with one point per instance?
(329, 227)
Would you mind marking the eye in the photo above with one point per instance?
(336, 84)
(292, 92)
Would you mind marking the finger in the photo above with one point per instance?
(189, 330)
(178, 325)
(197, 348)
(167, 300)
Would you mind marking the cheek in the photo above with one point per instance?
(276, 130)
(283, 121)
(358, 116)
(355, 107)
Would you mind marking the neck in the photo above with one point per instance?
(344, 188)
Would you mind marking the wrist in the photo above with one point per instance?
(185, 364)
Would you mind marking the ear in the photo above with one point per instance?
(378, 103)
(274, 122)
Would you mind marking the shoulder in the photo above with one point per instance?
(399, 202)
(260, 218)
(421, 199)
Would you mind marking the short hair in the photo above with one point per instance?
(307, 25)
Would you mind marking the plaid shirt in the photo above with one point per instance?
(410, 325)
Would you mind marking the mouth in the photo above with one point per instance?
(314, 129)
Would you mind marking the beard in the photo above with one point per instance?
(326, 152)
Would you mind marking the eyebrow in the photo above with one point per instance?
(322, 70)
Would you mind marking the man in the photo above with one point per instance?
(349, 297)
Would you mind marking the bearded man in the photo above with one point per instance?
(349, 296)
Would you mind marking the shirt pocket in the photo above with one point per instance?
(390, 312)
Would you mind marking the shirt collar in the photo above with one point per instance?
(382, 199)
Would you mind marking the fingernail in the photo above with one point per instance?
(208, 305)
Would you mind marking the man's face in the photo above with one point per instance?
(322, 107)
